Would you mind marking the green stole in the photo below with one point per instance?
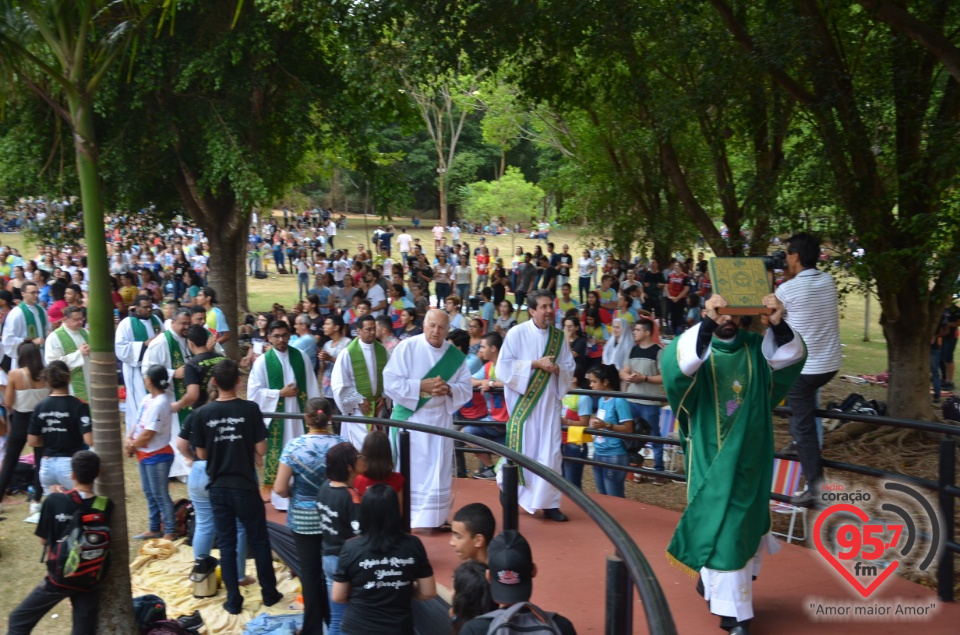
(77, 380)
(176, 361)
(362, 379)
(275, 382)
(32, 332)
(140, 331)
(726, 430)
(445, 368)
(535, 389)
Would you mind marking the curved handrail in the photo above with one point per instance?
(657, 611)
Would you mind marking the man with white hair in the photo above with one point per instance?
(428, 381)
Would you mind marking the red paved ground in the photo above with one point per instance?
(571, 561)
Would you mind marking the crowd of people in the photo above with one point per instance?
(379, 333)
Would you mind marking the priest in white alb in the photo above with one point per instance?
(428, 381)
(281, 380)
(69, 345)
(536, 368)
(171, 351)
(357, 380)
(134, 335)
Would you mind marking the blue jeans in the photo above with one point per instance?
(443, 291)
(463, 292)
(229, 506)
(204, 531)
(55, 470)
(253, 262)
(278, 257)
(153, 478)
(303, 284)
(609, 481)
(650, 414)
(336, 609)
(573, 472)
(584, 286)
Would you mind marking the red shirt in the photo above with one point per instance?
(483, 265)
(395, 481)
(676, 281)
(55, 312)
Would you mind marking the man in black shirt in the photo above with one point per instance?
(511, 572)
(653, 283)
(198, 370)
(55, 517)
(564, 267)
(230, 435)
(548, 280)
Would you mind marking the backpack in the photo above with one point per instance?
(168, 627)
(148, 610)
(80, 558)
(514, 619)
(185, 519)
(951, 409)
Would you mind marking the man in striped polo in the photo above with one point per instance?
(809, 298)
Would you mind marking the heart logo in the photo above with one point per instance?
(832, 559)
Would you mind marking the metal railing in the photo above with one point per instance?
(629, 568)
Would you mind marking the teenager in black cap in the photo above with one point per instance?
(511, 572)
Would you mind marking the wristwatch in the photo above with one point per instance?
(490, 383)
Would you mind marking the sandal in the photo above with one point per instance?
(148, 535)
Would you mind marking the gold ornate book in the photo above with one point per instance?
(743, 283)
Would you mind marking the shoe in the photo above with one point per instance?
(701, 590)
(486, 474)
(32, 518)
(35, 508)
(791, 448)
(936, 400)
(555, 515)
(740, 629)
(806, 498)
(191, 623)
(947, 385)
(660, 480)
(272, 599)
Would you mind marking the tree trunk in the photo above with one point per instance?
(115, 613)
(443, 202)
(243, 300)
(908, 352)
(226, 248)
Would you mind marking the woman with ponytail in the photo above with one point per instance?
(149, 441)
(302, 470)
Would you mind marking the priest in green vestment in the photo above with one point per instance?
(723, 383)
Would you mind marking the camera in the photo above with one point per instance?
(776, 260)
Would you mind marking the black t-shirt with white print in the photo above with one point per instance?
(381, 585)
(61, 420)
(229, 431)
(198, 370)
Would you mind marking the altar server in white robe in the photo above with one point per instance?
(428, 380)
(357, 390)
(535, 378)
(281, 380)
(171, 351)
(69, 345)
(134, 335)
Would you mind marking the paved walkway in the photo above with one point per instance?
(571, 560)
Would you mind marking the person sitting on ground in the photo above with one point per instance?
(471, 594)
(379, 465)
(473, 528)
(381, 608)
(55, 518)
(511, 571)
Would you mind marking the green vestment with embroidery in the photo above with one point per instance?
(726, 429)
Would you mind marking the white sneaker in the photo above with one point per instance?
(32, 518)
(35, 508)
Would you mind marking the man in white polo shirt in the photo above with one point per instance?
(810, 300)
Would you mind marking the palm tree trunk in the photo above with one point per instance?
(115, 613)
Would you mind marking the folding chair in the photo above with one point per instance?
(786, 481)
(668, 430)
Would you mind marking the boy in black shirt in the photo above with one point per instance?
(198, 370)
(511, 572)
(230, 435)
(55, 517)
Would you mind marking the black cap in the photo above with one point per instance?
(511, 568)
